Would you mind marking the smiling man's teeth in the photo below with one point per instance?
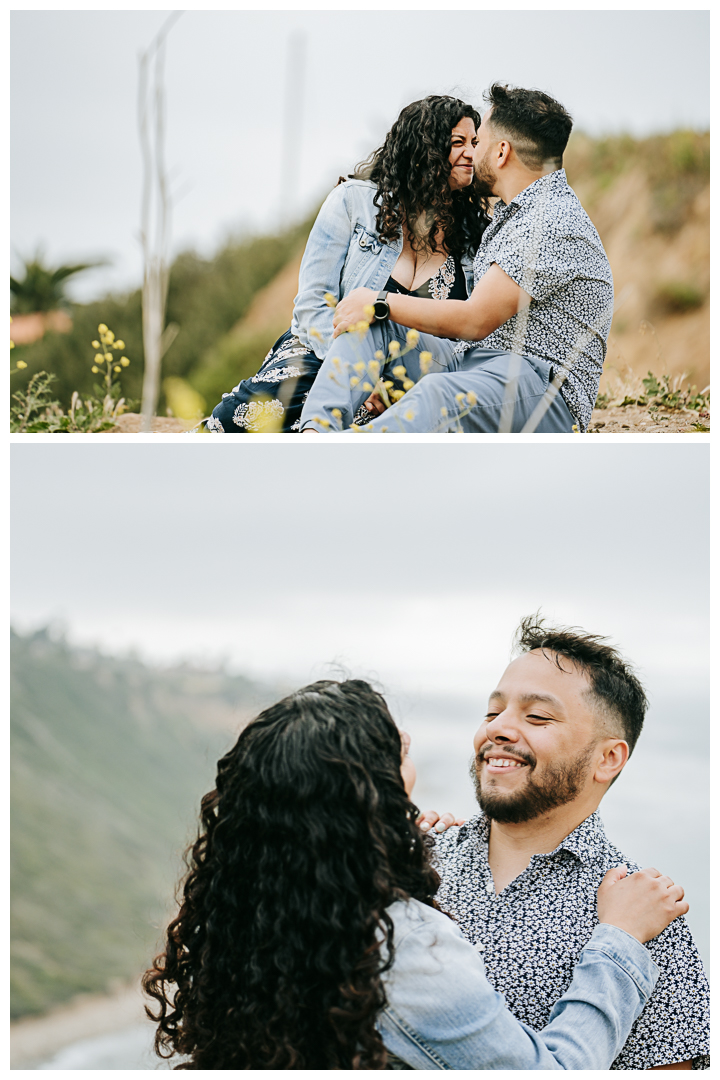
(505, 762)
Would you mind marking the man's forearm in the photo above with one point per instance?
(442, 318)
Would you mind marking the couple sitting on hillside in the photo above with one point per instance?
(461, 320)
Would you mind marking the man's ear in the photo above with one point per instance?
(614, 755)
(504, 149)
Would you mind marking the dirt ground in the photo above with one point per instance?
(617, 419)
(644, 420)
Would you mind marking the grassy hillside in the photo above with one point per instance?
(109, 760)
(650, 201)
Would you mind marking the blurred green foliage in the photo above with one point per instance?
(677, 167)
(40, 288)
(677, 297)
(206, 298)
(109, 761)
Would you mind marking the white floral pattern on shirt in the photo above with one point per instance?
(254, 415)
(544, 240)
(530, 937)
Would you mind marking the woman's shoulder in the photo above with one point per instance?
(411, 915)
(350, 190)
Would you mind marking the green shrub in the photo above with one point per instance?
(677, 297)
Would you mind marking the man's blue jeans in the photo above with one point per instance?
(482, 390)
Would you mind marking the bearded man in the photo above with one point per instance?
(520, 878)
(525, 352)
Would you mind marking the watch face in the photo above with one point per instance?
(382, 309)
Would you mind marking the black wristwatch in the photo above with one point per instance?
(382, 308)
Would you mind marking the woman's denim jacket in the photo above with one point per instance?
(343, 252)
(442, 1012)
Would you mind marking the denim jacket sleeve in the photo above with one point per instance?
(321, 269)
(442, 1012)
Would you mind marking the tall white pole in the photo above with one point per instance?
(293, 115)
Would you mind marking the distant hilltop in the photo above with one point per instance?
(109, 760)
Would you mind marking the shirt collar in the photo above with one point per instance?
(586, 843)
(555, 181)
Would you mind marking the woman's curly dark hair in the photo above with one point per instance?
(412, 173)
(274, 960)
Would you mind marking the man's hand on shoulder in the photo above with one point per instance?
(430, 819)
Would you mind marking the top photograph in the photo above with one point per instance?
(360, 222)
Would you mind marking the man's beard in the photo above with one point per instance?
(485, 178)
(557, 786)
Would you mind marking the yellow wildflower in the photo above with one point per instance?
(94, 369)
(394, 348)
(459, 398)
(471, 398)
(336, 413)
(96, 344)
(354, 380)
(379, 355)
(408, 384)
(425, 362)
(109, 336)
(329, 300)
(21, 364)
(373, 367)
(108, 357)
(117, 367)
(102, 328)
(315, 333)
(336, 362)
(409, 415)
(443, 411)
(359, 367)
(398, 371)
(355, 427)
(397, 394)
(412, 338)
(366, 386)
(124, 361)
(369, 310)
(119, 344)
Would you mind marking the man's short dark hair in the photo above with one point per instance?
(615, 686)
(538, 126)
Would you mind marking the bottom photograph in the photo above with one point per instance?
(389, 757)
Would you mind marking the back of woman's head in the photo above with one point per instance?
(307, 839)
(412, 173)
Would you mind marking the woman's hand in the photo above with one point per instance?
(351, 310)
(642, 904)
(431, 817)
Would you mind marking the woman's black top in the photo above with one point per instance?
(447, 284)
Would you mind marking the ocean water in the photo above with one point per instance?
(657, 813)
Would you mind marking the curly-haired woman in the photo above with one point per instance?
(308, 938)
(408, 220)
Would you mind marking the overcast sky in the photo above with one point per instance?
(76, 176)
(412, 562)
